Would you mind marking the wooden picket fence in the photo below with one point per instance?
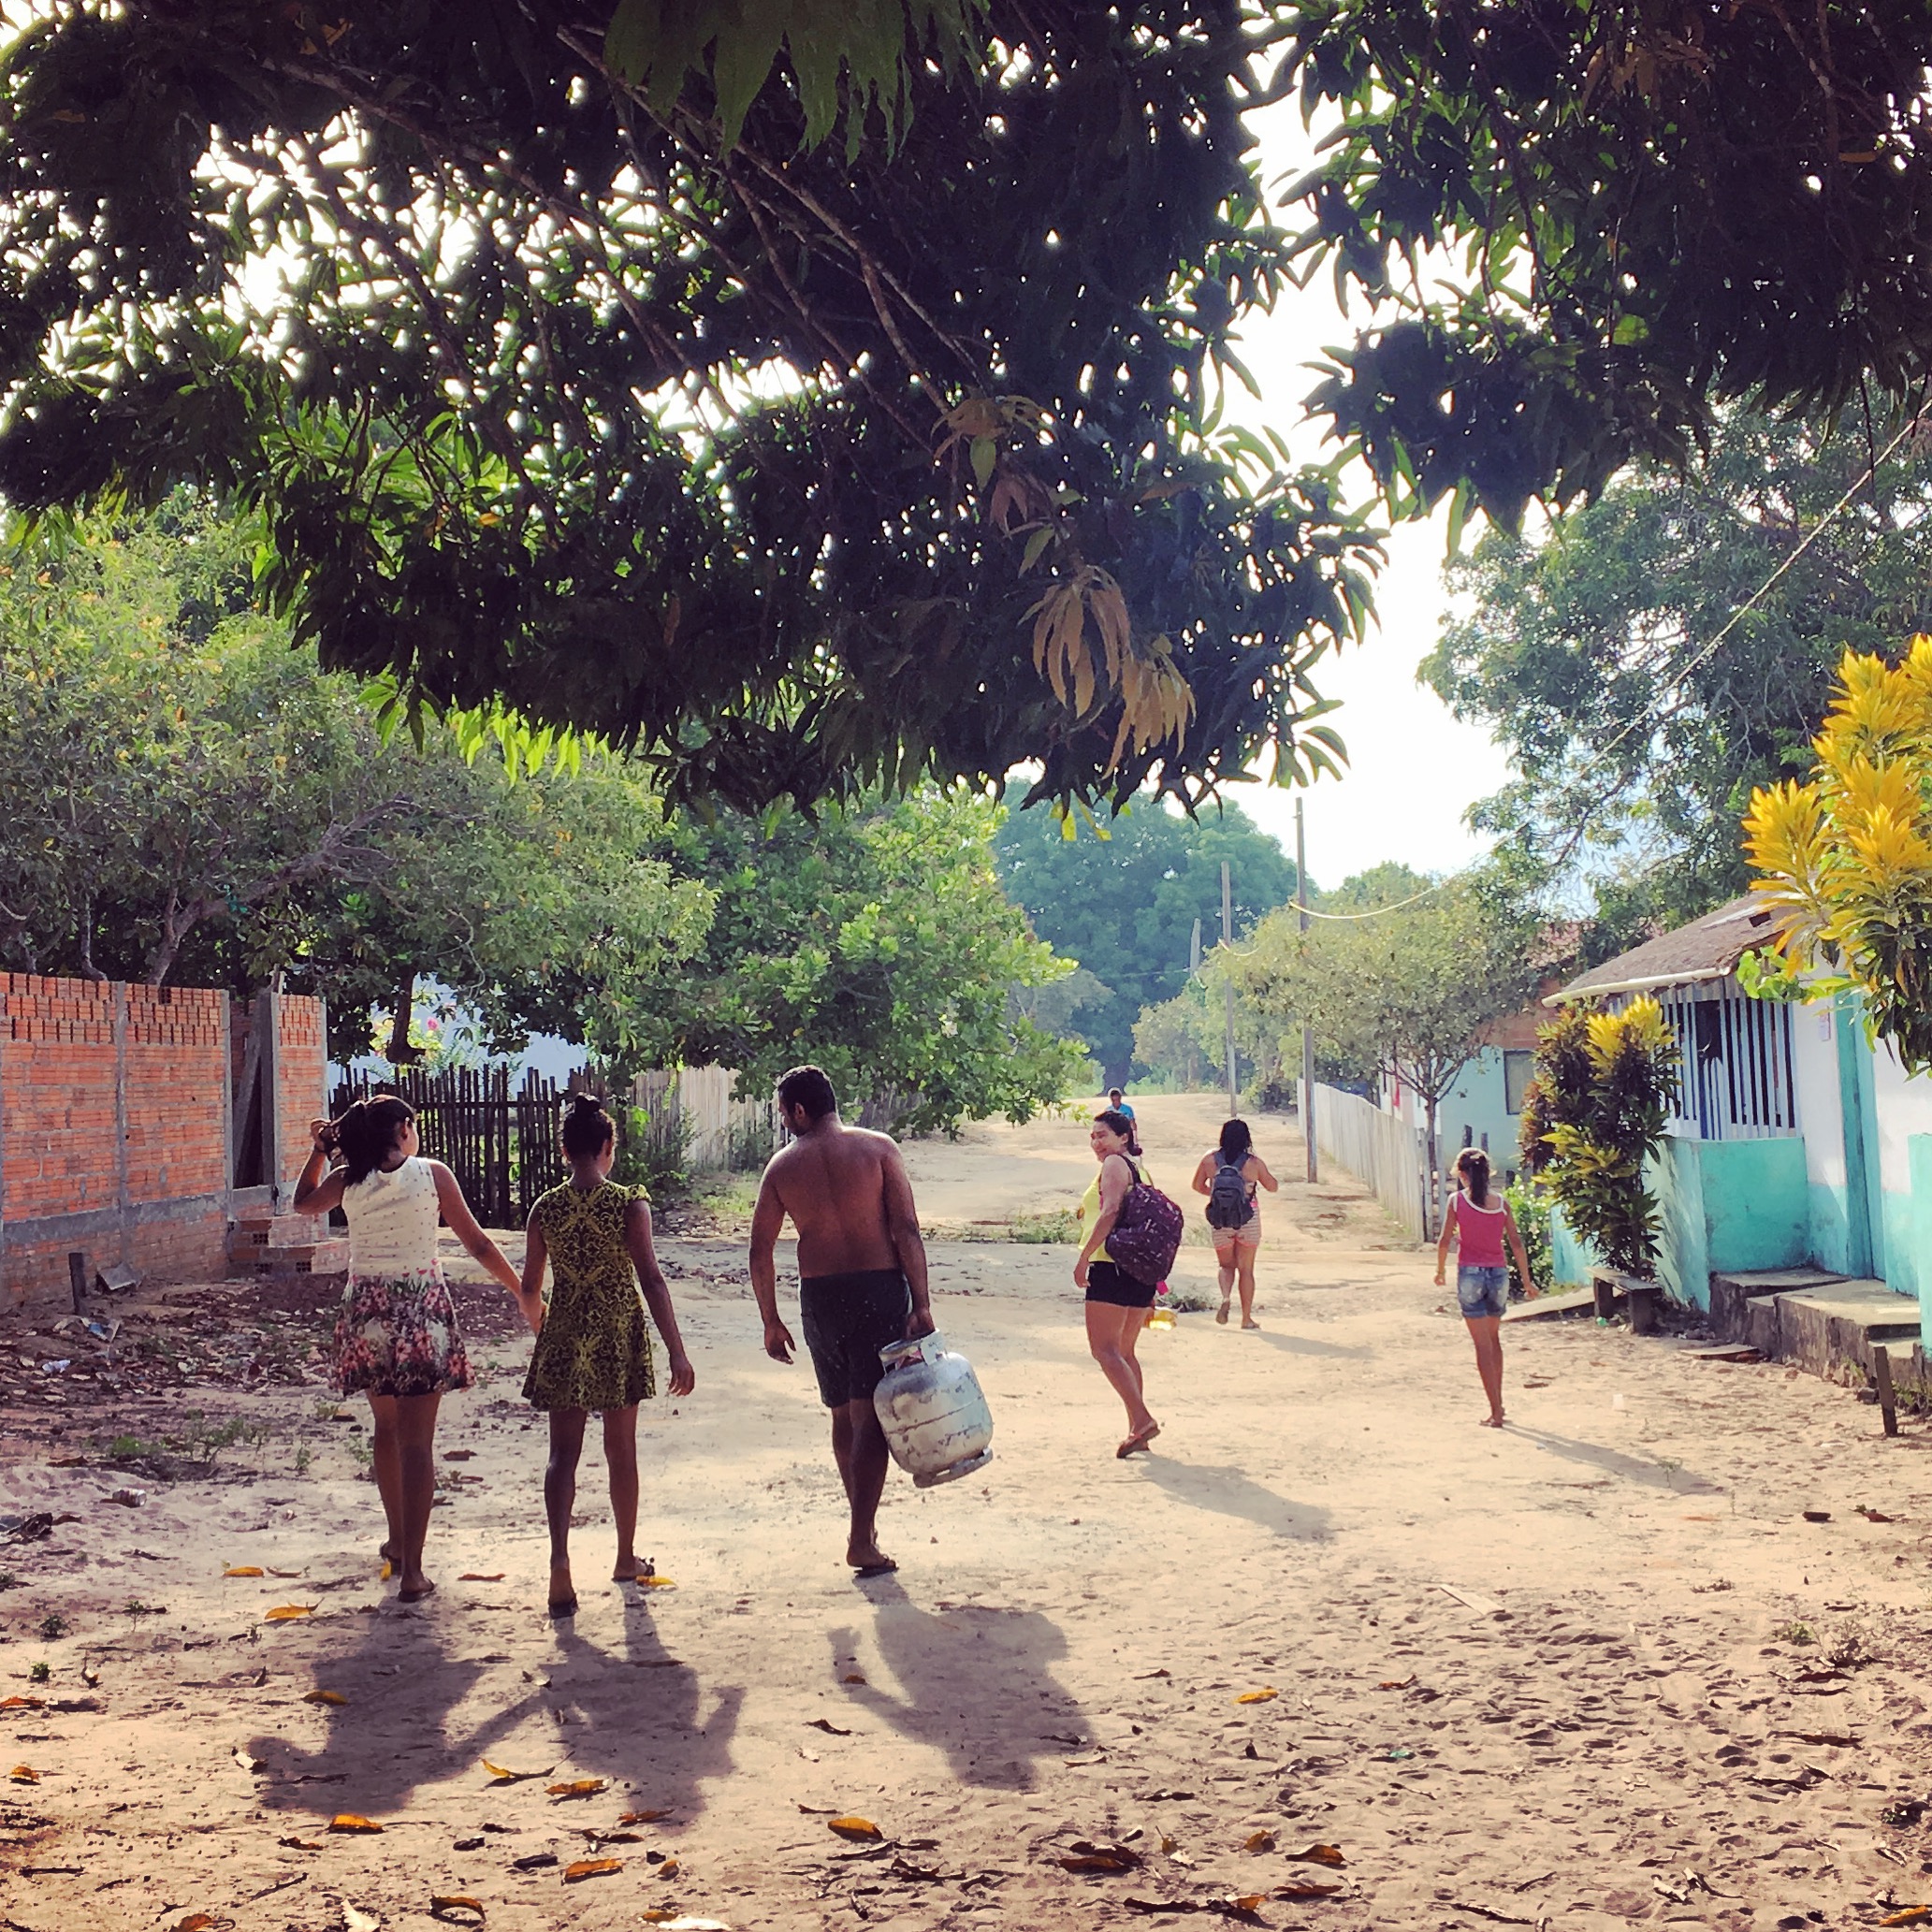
(499, 1141)
(1386, 1154)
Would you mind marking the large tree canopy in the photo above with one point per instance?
(1578, 225)
(1640, 700)
(1124, 904)
(798, 467)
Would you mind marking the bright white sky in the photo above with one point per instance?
(1413, 770)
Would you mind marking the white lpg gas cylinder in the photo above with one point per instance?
(935, 1416)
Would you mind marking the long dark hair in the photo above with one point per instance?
(366, 1135)
(1237, 1144)
(1473, 1168)
(1115, 1122)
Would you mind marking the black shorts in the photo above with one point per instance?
(846, 1320)
(1108, 1281)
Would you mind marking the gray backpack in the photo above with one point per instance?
(1228, 1197)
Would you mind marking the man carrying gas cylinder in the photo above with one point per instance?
(861, 1279)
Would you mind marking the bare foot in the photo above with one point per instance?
(629, 1570)
(414, 1589)
(1495, 1421)
(1248, 1322)
(1221, 1315)
(869, 1560)
(563, 1594)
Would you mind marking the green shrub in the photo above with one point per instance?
(1530, 1206)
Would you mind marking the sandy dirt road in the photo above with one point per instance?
(1652, 1693)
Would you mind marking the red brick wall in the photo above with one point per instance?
(301, 1077)
(114, 1106)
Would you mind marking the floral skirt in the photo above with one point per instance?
(397, 1335)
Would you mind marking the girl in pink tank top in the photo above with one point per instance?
(1479, 1223)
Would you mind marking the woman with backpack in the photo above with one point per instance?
(1228, 1176)
(1144, 1228)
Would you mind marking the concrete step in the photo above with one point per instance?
(1731, 1294)
(249, 1235)
(1834, 1328)
(302, 1257)
(1574, 1301)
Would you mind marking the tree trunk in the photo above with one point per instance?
(1431, 1225)
(87, 968)
(400, 1053)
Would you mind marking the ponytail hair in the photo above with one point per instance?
(1117, 1123)
(587, 1130)
(1473, 1170)
(366, 1135)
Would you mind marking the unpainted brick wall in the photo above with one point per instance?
(128, 1125)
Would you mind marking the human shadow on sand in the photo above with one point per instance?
(1230, 1492)
(1653, 1475)
(630, 1713)
(1307, 1344)
(976, 1684)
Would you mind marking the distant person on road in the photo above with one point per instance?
(595, 1349)
(1117, 1103)
(1117, 1303)
(861, 1279)
(1228, 1176)
(396, 1336)
(1479, 1225)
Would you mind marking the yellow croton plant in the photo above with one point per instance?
(1845, 860)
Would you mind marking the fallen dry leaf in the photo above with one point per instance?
(477, 1576)
(1397, 1684)
(335, 1697)
(826, 1725)
(287, 1613)
(1260, 1841)
(1911, 1915)
(1305, 1888)
(193, 1921)
(1101, 1858)
(285, 1575)
(1318, 1855)
(853, 1676)
(674, 1921)
(19, 1703)
(356, 1920)
(655, 1583)
(502, 1774)
(352, 1821)
(591, 1868)
(248, 1764)
(25, 1774)
(442, 1903)
(1262, 1696)
(577, 1788)
(301, 1844)
(242, 1570)
(668, 1869)
(858, 1829)
(649, 1817)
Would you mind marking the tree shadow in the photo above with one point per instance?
(1231, 1492)
(975, 1682)
(633, 1714)
(1653, 1475)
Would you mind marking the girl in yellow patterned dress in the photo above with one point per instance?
(593, 1350)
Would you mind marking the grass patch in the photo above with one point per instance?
(1052, 1227)
(52, 1627)
(1796, 1634)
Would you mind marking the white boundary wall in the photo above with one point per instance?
(699, 1098)
(1382, 1152)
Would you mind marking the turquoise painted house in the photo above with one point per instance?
(1795, 1142)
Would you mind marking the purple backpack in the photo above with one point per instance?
(1147, 1237)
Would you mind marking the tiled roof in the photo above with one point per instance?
(1706, 949)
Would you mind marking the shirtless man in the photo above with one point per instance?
(861, 1279)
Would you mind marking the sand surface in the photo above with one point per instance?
(1617, 1721)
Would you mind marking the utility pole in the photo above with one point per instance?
(1307, 1037)
(1227, 941)
(1193, 974)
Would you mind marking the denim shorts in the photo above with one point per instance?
(1482, 1290)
